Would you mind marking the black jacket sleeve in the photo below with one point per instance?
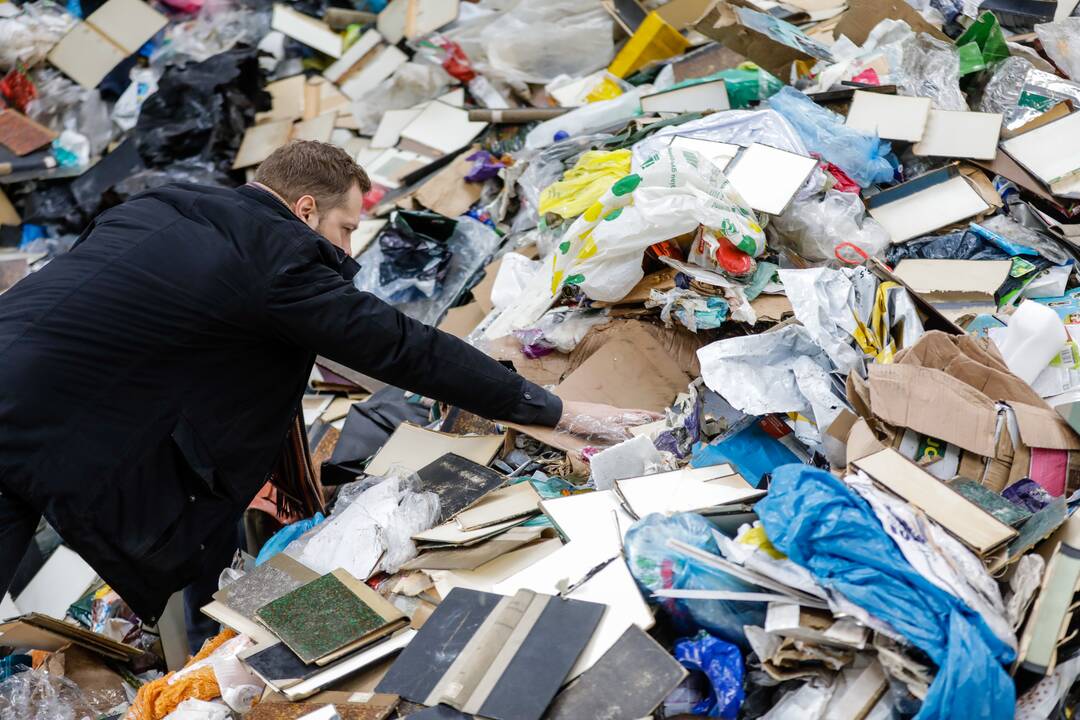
(311, 305)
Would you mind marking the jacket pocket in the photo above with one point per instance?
(195, 454)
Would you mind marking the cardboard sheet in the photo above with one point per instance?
(380, 67)
(922, 211)
(768, 178)
(64, 578)
(260, 141)
(976, 528)
(443, 128)
(954, 280)
(390, 126)
(110, 34)
(461, 321)
(506, 503)
(307, 30)
(413, 447)
(960, 134)
(412, 18)
(890, 117)
(351, 58)
(1051, 152)
(688, 490)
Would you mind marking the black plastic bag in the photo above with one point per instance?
(201, 110)
(415, 254)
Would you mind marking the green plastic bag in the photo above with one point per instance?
(985, 34)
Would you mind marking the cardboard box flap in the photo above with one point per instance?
(1043, 428)
(933, 403)
(995, 384)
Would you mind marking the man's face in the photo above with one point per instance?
(336, 224)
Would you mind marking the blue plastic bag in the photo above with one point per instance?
(281, 539)
(722, 664)
(861, 156)
(752, 451)
(655, 566)
(827, 528)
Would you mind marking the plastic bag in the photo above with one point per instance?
(542, 167)
(374, 531)
(824, 526)
(219, 26)
(720, 662)
(559, 329)
(689, 309)
(536, 42)
(1061, 41)
(673, 193)
(415, 256)
(29, 36)
(202, 110)
(931, 68)
(143, 84)
(860, 156)
(832, 227)
(986, 35)
(39, 695)
(470, 245)
(592, 175)
(410, 84)
(199, 710)
(281, 539)
(655, 566)
(63, 105)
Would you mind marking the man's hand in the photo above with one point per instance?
(601, 423)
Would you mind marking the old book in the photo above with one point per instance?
(413, 447)
(235, 605)
(470, 558)
(628, 682)
(330, 617)
(1007, 512)
(495, 656)
(500, 505)
(458, 482)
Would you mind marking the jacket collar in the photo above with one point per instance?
(335, 256)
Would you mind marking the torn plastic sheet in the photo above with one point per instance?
(938, 556)
(826, 302)
(757, 373)
(827, 528)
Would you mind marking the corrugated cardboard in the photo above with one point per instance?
(720, 23)
(446, 191)
(862, 16)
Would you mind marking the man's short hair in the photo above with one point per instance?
(306, 167)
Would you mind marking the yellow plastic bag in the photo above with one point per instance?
(582, 185)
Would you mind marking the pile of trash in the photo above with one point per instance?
(832, 244)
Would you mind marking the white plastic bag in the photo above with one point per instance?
(834, 227)
(673, 193)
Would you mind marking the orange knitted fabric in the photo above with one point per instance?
(158, 698)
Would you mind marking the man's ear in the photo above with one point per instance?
(305, 207)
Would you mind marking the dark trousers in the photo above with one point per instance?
(18, 522)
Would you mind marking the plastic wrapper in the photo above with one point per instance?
(29, 36)
(560, 329)
(720, 662)
(931, 68)
(536, 42)
(412, 83)
(63, 105)
(219, 26)
(592, 175)
(281, 539)
(374, 531)
(39, 695)
(751, 450)
(1004, 86)
(671, 195)
(1061, 42)
(542, 167)
(1041, 700)
(687, 308)
(143, 84)
(828, 228)
(982, 45)
(515, 273)
(471, 244)
(655, 566)
(201, 110)
(824, 526)
(860, 156)
(964, 245)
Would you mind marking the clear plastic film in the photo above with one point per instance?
(931, 68)
(602, 424)
(39, 695)
(63, 105)
(219, 25)
(833, 227)
(29, 36)
(1061, 42)
(410, 84)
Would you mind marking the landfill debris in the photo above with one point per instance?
(822, 254)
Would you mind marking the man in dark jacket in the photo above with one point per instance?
(148, 377)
